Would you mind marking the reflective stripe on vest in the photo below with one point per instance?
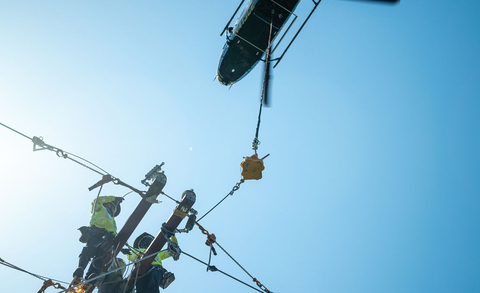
(101, 218)
(139, 252)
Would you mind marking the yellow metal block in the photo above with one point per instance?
(252, 168)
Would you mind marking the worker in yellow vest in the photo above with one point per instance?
(156, 275)
(98, 236)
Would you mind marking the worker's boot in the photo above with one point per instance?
(91, 276)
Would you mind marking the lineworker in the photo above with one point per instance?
(156, 275)
(114, 282)
(98, 236)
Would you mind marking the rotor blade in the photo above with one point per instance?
(266, 78)
(380, 1)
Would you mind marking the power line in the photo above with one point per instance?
(15, 131)
(38, 141)
(214, 269)
(235, 188)
(211, 239)
(12, 266)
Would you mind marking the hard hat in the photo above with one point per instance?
(143, 241)
(118, 209)
(116, 205)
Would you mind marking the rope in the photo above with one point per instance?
(96, 200)
(134, 282)
(127, 193)
(110, 282)
(235, 188)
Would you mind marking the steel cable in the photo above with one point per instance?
(226, 274)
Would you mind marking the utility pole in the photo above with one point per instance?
(150, 196)
(168, 228)
(132, 222)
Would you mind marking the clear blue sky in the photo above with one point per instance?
(372, 183)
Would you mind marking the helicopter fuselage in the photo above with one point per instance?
(248, 40)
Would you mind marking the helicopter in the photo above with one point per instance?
(252, 36)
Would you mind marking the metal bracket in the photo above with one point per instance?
(152, 174)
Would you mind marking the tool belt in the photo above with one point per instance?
(85, 234)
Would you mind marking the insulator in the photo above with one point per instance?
(190, 222)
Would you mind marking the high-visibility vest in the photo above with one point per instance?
(138, 252)
(101, 217)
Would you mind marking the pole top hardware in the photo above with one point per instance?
(153, 174)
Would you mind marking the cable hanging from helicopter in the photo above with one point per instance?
(252, 166)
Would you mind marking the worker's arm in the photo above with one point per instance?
(100, 201)
(163, 255)
(133, 255)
